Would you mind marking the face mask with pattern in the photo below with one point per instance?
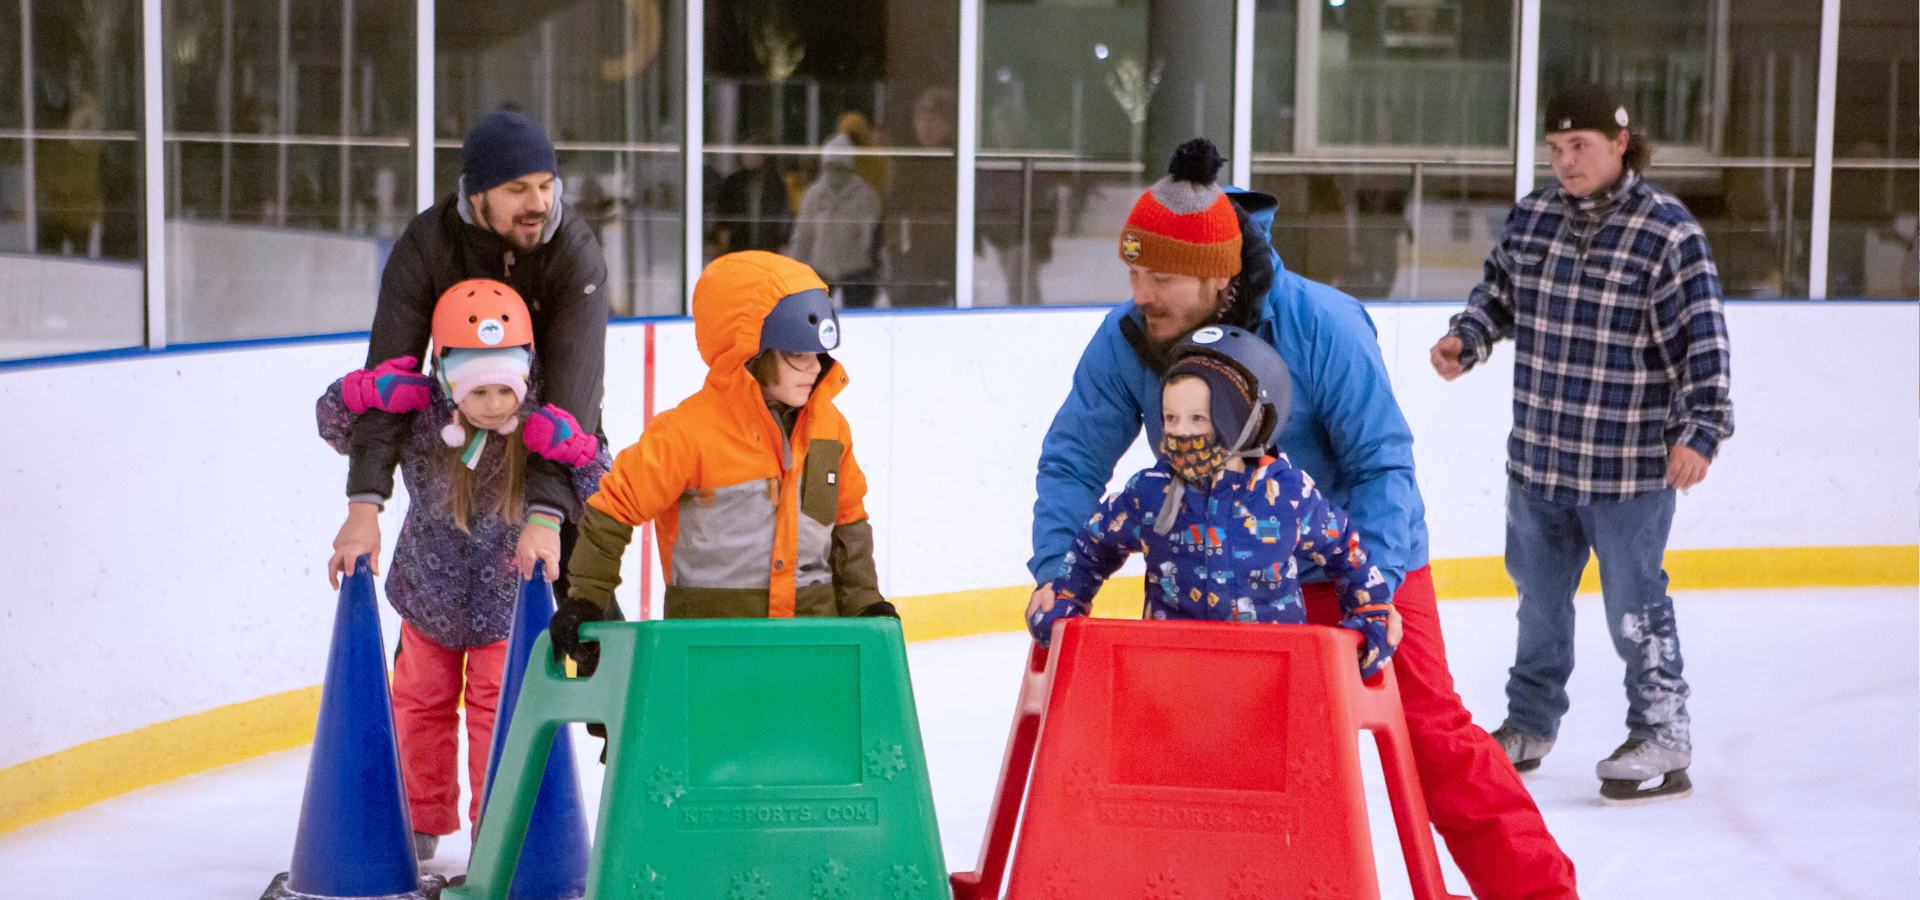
(1193, 457)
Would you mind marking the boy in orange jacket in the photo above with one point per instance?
(751, 482)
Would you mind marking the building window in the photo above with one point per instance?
(604, 78)
(1727, 92)
(70, 244)
(1871, 250)
(1386, 137)
(289, 168)
(830, 137)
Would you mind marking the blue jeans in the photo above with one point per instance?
(1547, 545)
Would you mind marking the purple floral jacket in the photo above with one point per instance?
(456, 588)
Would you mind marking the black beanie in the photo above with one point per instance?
(1230, 401)
(504, 146)
(1586, 107)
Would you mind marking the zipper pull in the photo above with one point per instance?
(509, 263)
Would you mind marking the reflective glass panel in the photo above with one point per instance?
(1871, 247)
(1275, 55)
(1426, 73)
(604, 78)
(288, 162)
(1727, 91)
(830, 136)
(1081, 105)
(70, 203)
(1343, 225)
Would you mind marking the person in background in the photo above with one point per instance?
(920, 230)
(1017, 212)
(1620, 396)
(834, 233)
(753, 213)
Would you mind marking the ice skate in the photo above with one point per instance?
(1624, 774)
(425, 845)
(1524, 750)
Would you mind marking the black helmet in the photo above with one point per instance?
(802, 322)
(1259, 366)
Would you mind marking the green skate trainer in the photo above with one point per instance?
(746, 759)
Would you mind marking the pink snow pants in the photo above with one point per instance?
(427, 682)
(1475, 799)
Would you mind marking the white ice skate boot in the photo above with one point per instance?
(1638, 761)
(1524, 751)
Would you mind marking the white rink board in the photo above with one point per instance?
(166, 520)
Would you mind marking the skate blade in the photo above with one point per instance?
(1622, 792)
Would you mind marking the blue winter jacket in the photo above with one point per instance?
(1345, 430)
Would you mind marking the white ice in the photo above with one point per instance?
(1806, 766)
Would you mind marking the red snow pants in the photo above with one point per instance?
(427, 683)
(1474, 797)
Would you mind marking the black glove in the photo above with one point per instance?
(564, 631)
(881, 608)
(599, 730)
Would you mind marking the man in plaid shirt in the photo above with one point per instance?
(1620, 383)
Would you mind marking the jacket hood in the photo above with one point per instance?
(1258, 261)
(730, 303)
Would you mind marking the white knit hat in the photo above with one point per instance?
(837, 151)
(463, 369)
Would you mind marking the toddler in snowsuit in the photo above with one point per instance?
(1224, 542)
(751, 482)
(452, 580)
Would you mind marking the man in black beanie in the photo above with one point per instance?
(1620, 396)
(506, 222)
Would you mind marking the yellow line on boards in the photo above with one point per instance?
(69, 779)
(58, 783)
(1740, 568)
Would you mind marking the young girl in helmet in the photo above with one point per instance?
(453, 579)
(1226, 529)
(751, 482)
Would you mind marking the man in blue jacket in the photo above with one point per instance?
(1193, 261)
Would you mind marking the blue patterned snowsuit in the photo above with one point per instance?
(1234, 554)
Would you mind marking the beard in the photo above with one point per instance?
(1156, 352)
(513, 231)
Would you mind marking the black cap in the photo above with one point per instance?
(1586, 107)
(504, 146)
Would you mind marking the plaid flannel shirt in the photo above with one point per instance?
(1621, 349)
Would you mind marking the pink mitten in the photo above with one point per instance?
(393, 386)
(553, 433)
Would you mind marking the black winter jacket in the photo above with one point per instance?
(563, 281)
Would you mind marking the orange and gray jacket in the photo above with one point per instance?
(752, 523)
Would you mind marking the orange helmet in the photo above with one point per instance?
(480, 313)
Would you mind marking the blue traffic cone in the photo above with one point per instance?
(553, 861)
(355, 837)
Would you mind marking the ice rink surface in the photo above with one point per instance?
(1806, 766)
